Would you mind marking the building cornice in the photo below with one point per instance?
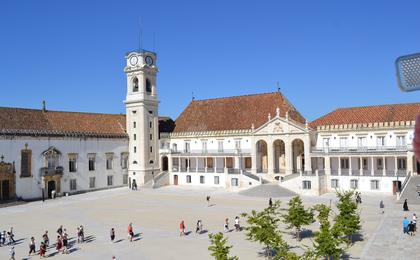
(221, 133)
(381, 126)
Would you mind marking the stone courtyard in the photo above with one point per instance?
(156, 215)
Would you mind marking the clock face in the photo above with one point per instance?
(148, 60)
(134, 60)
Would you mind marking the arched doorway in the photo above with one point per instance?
(164, 163)
(262, 158)
(50, 187)
(298, 151)
(279, 156)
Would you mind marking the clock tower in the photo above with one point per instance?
(142, 116)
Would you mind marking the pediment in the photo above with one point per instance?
(279, 126)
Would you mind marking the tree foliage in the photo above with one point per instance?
(326, 243)
(347, 221)
(297, 216)
(218, 248)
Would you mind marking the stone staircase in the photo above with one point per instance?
(270, 190)
(409, 191)
(162, 179)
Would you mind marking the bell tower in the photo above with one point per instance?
(142, 116)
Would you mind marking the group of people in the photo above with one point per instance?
(7, 238)
(410, 227)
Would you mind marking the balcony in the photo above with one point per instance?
(46, 171)
(215, 152)
(361, 149)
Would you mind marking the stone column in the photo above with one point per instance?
(361, 165)
(205, 164)
(254, 157)
(396, 165)
(350, 167)
(327, 165)
(270, 154)
(384, 166)
(170, 163)
(372, 169)
(410, 163)
(339, 165)
(288, 157)
(307, 153)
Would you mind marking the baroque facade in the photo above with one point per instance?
(232, 142)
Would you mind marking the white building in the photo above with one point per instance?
(233, 142)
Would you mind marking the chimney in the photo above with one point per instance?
(43, 106)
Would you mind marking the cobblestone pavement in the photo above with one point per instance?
(156, 214)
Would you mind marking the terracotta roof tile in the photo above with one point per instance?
(369, 114)
(234, 113)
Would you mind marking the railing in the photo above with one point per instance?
(362, 149)
(45, 171)
(212, 151)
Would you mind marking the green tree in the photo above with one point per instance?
(297, 216)
(347, 221)
(263, 228)
(326, 243)
(218, 248)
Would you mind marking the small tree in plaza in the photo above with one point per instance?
(218, 248)
(347, 221)
(297, 216)
(263, 228)
(326, 244)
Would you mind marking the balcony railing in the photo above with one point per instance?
(362, 149)
(213, 152)
(46, 171)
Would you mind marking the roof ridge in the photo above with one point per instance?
(244, 95)
(56, 111)
(378, 105)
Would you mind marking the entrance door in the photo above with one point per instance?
(175, 179)
(396, 187)
(418, 166)
(164, 163)
(129, 182)
(51, 187)
(5, 190)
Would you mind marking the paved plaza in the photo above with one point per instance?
(156, 214)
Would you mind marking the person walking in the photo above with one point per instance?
(82, 234)
(65, 242)
(60, 230)
(270, 202)
(237, 226)
(3, 238)
(411, 228)
(12, 236)
(12, 253)
(46, 239)
(199, 227)
(414, 220)
(112, 234)
(59, 244)
(32, 246)
(381, 207)
(405, 205)
(42, 250)
(208, 201)
(182, 228)
(226, 226)
(130, 232)
(405, 223)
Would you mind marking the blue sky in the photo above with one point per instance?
(324, 54)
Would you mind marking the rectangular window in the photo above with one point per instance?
(238, 144)
(234, 182)
(125, 179)
(202, 179)
(150, 124)
(135, 149)
(124, 160)
(151, 149)
(92, 181)
(151, 137)
(151, 112)
(73, 184)
(188, 178)
(187, 147)
(109, 161)
(343, 142)
(135, 137)
(220, 146)
(365, 163)
(110, 180)
(204, 146)
(72, 163)
(401, 141)
(25, 163)
(216, 180)
(401, 163)
(380, 141)
(306, 185)
(361, 142)
(334, 184)
(379, 164)
(374, 184)
(91, 162)
(134, 124)
(344, 163)
(354, 184)
(326, 142)
(175, 147)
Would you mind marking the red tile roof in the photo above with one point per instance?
(234, 113)
(369, 114)
(32, 121)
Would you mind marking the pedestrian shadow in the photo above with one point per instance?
(119, 240)
(52, 254)
(357, 238)
(306, 233)
(89, 239)
(211, 205)
(73, 249)
(203, 232)
(137, 237)
(187, 233)
(19, 241)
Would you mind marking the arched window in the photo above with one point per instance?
(148, 86)
(135, 84)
